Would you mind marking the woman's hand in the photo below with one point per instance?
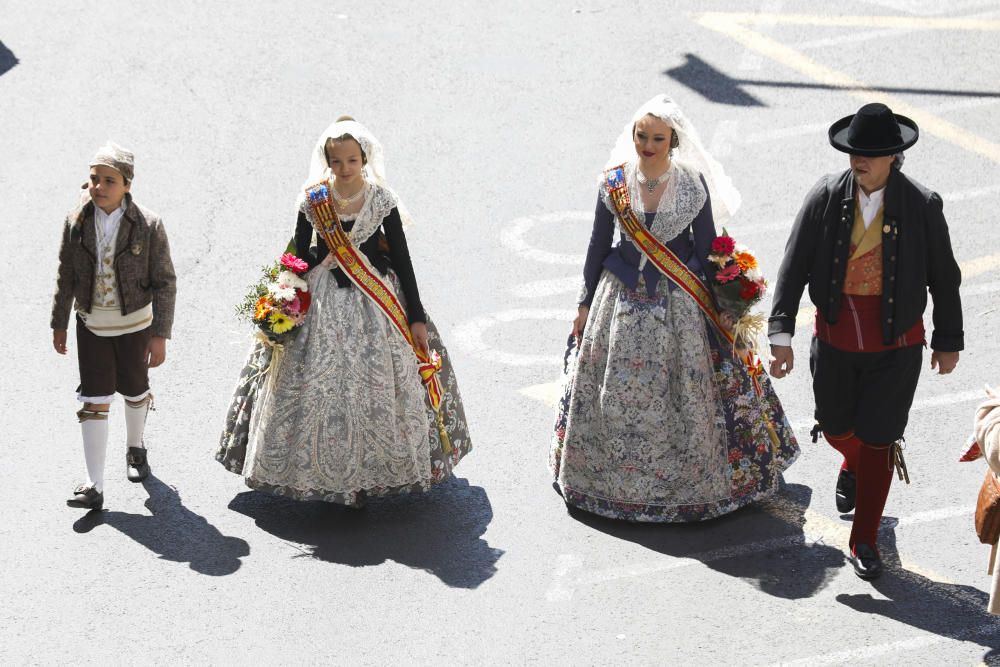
(728, 320)
(419, 331)
(328, 261)
(580, 322)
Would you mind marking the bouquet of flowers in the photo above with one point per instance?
(738, 285)
(277, 303)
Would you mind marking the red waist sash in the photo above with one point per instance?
(859, 327)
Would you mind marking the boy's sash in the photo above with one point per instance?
(352, 263)
(656, 252)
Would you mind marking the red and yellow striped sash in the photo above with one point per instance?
(351, 262)
(656, 252)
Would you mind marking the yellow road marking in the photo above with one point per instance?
(732, 26)
(547, 393)
(907, 22)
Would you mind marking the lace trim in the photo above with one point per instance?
(379, 202)
(682, 200)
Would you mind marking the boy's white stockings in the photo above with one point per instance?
(95, 448)
(135, 420)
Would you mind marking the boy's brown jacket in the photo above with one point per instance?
(143, 269)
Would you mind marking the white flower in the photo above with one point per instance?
(281, 292)
(754, 274)
(290, 279)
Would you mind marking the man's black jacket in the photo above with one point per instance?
(916, 256)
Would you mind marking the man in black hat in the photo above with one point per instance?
(869, 242)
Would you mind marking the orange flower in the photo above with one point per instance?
(746, 261)
(262, 309)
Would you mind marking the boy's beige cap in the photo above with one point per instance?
(114, 156)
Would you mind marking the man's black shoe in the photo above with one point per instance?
(847, 486)
(136, 466)
(867, 563)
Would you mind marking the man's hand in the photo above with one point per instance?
(944, 362)
(156, 351)
(783, 360)
(59, 340)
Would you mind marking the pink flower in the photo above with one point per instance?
(294, 306)
(729, 273)
(293, 263)
(723, 245)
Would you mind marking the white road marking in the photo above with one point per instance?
(922, 404)
(512, 237)
(931, 7)
(818, 528)
(867, 654)
(469, 336)
(981, 289)
(550, 287)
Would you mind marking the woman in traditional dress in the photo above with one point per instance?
(341, 413)
(661, 420)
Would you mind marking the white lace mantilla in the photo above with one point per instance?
(681, 201)
(379, 201)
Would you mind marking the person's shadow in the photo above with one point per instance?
(438, 531)
(173, 532)
(947, 610)
(763, 544)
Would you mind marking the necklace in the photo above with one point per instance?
(344, 202)
(652, 183)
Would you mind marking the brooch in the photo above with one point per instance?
(136, 248)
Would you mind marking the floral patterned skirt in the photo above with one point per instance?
(658, 422)
(340, 413)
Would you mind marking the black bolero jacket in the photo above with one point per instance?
(385, 249)
(916, 256)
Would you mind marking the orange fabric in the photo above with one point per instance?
(864, 265)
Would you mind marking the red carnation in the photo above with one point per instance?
(305, 299)
(723, 245)
(748, 289)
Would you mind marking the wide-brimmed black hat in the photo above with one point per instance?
(873, 131)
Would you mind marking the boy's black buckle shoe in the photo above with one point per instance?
(136, 465)
(847, 486)
(86, 497)
(867, 563)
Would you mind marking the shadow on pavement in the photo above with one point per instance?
(7, 59)
(763, 544)
(173, 532)
(438, 532)
(948, 610)
(717, 86)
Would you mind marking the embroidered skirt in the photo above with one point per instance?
(657, 421)
(344, 414)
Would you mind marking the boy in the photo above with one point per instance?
(114, 262)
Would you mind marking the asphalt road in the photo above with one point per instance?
(496, 118)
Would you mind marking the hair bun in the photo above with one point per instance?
(343, 118)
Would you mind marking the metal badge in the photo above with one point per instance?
(136, 248)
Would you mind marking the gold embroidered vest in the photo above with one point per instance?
(864, 265)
